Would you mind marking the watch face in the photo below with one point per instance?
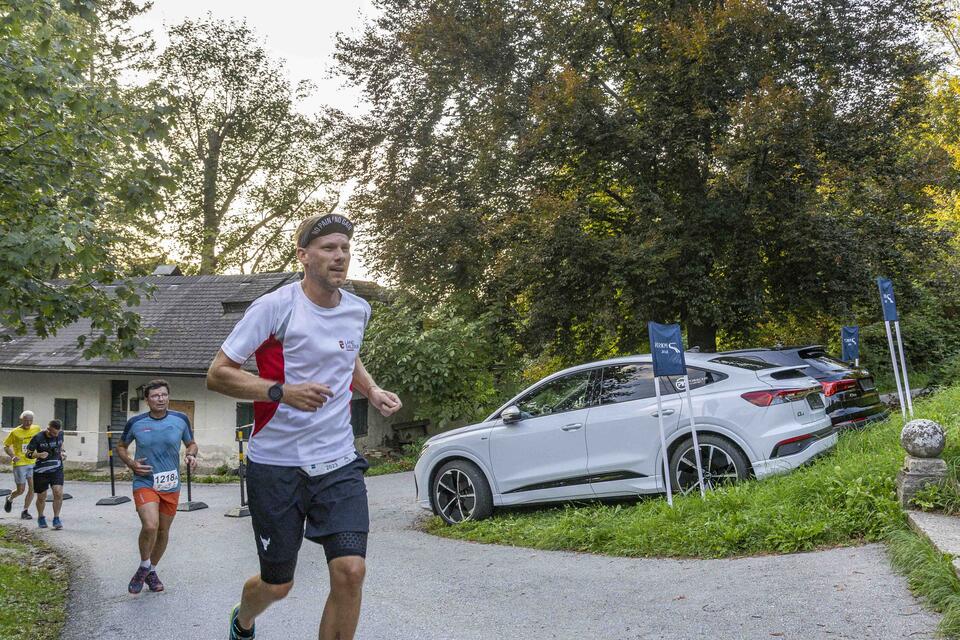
(275, 393)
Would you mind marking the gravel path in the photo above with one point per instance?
(422, 587)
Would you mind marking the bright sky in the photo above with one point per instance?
(301, 33)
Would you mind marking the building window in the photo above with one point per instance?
(12, 408)
(244, 414)
(65, 410)
(358, 416)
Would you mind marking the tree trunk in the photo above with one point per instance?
(211, 218)
(703, 336)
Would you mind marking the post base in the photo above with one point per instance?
(112, 500)
(5, 492)
(67, 496)
(238, 512)
(916, 474)
(193, 505)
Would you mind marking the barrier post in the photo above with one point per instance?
(113, 498)
(190, 505)
(243, 510)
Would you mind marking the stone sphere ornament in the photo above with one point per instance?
(923, 438)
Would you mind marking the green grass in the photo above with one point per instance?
(930, 576)
(32, 595)
(843, 498)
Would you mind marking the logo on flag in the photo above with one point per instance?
(666, 347)
(887, 300)
(850, 343)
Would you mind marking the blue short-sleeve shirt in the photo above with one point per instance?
(158, 442)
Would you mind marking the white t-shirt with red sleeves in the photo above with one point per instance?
(294, 341)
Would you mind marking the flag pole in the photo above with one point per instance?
(696, 444)
(663, 443)
(903, 361)
(896, 371)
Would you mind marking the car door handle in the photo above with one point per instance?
(666, 412)
(572, 427)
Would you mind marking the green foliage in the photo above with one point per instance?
(436, 356)
(32, 598)
(75, 176)
(843, 498)
(248, 164)
(580, 168)
(930, 575)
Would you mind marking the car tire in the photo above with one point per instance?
(459, 492)
(722, 462)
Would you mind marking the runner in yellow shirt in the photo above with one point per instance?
(15, 446)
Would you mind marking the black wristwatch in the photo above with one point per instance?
(275, 392)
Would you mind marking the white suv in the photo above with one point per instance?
(591, 431)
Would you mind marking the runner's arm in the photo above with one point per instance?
(386, 402)
(225, 376)
(136, 466)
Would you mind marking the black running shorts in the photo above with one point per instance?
(288, 505)
(43, 481)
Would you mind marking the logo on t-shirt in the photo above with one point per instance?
(349, 345)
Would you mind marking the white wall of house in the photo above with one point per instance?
(214, 418)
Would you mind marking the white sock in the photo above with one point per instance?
(153, 567)
(146, 564)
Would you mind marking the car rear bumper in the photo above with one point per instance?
(765, 468)
(859, 422)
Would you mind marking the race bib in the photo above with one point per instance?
(166, 480)
(23, 447)
(324, 468)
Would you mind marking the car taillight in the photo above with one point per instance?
(766, 398)
(835, 387)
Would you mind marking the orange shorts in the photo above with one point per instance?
(168, 500)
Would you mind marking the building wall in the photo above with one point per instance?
(215, 415)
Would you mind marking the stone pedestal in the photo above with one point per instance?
(916, 474)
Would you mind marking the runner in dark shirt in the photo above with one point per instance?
(47, 449)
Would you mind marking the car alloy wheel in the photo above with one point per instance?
(721, 463)
(460, 492)
(456, 496)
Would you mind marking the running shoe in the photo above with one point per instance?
(57, 524)
(235, 626)
(8, 505)
(136, 582)
(153, 581)
(25, 515)
(42, 522)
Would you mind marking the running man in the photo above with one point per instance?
(156, 476)
(304, 468)
(15, 446)
(47, 449)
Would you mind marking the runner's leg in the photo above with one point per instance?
(163, 535)
(342, 611)
(16, 492)
(257, 596)
(149, 513)
(57, 499)
(29, 498)
(41, 502)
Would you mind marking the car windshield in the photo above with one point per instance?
(742, 362)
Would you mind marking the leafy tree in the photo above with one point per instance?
(436, 356)
(247, 164)
(64, 124)
(582, 166)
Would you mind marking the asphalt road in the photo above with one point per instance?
(423, 587)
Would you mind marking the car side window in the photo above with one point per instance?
(698, 378)
(626, 382)
(568, 393)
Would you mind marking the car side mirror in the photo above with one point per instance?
(511, 414)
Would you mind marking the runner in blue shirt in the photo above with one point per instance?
(156, 476)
